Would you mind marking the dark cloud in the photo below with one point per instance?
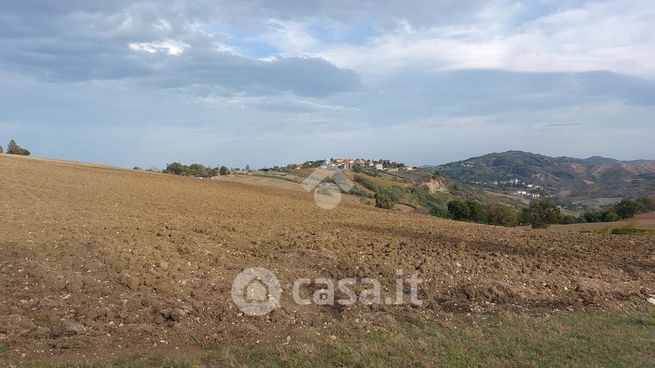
(80, 41)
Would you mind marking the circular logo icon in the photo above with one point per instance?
(327, 195)
(256, 291)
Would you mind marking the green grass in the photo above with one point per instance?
(595, 339)
(569, 340)
(3, 348)
(153, 362)
(631, 230)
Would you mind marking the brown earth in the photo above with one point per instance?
(98, 263)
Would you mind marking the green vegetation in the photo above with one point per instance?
(591, 339)
(383, 200)
(492, 214)
(630, 230)
(196, 170)
(620, 211)
(3, 347)
(541, 214)
(501, 215)
(14, 149)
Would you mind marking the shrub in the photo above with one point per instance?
(568, 219)
(611, 216)
(383, 200)
(476, 212)
(458, 210)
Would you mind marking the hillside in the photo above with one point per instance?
(422, 192)
(99, 264)
(565, 178)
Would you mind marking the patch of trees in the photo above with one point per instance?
(473, 211)
(541, 214)
(14, 149)
(312, 164)
(196, 170)
(622, 210)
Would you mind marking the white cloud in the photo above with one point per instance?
(618, 36)
(170, 47)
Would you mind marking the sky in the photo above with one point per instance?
(146, 83)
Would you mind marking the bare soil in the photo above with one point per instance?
(98, 263)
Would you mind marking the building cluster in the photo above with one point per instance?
(382, 165)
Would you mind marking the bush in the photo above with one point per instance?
(439, 212)
(458, 210)
(541, 214)
(476, 212)
(383, 200)
(568, 219)
(611, 216)
(15, 149)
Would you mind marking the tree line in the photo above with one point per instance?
(197, 170)
(542, 213)
(14, 149)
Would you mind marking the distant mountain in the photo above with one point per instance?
(566, 178)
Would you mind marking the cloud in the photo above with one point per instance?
(171, 47)
(609, 35)
(163, 48)
(265, 82)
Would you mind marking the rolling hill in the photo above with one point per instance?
(565, 178)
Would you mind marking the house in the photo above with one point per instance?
(345, 163)
(360, 162)
(379, 166)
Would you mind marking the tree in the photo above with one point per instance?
(15, 149)
(568, 220)
(476, 212)
(176, 168)
(541, 214)
(1, 149)
(629, 207)
(611, 216)
(458, 210)
(247, 168)
(224, 170)
(501, 215)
